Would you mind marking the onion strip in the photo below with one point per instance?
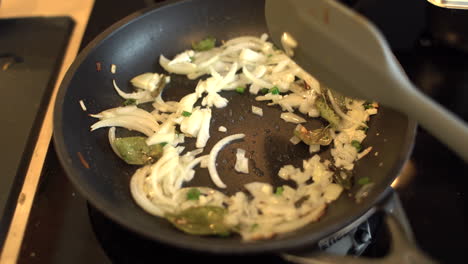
(141, 97)
(111, 137)
(136, 188)
(340, 113)
(212, 158)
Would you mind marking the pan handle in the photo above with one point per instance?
(403, 248)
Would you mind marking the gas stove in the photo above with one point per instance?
(64, 228)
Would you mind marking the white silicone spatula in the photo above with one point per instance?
(348, 54)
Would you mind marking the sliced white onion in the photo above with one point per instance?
(204, 132)
(281, 65)
(204, 163)
(240, 46)
(160, 138)
(128, 122)
(207, 62)
(292, 118)
(314, 148)
(340, 113)
(183, 57)
(130, 110)
(178, 68)
(191, 125)
(187, 102)
(268, 97)
(214, 99)
(162, 106)
(146, 81)
(137, 190)
(191, 165)
(332, 192)
(214, 153)
(254, 88)
(248, 55)
(242, 39)
(141, 97)
(163, 172)
(293, 225)
(111, 136)
(194, 153)
(255, 80)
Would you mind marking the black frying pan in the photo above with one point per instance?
(134, 44)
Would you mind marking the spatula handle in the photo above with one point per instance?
(442, 124)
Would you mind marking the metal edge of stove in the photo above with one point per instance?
(14, 237)
(14, 196)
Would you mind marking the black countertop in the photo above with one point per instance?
(433, 189)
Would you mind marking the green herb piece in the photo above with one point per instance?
(274, 90)
(364, 181)
(254, 227)
(192, 58)
(357, 145)
(129, 102)
(264, 90)
(135, 151)
(163, 144)
(319, 136)
(240, 90)
(270, 55)
(205, 44)
(279, 190)
(368, 106)
(327, 112)
(203, 220)
(364, 128)
(193, 194)
(186, 114)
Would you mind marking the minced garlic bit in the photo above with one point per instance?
(222, 129)
(295, 140)
(363, 153)
(242, 163)
(83, 106)
(257, 110)
(113, 68)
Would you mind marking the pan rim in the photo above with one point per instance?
(243, 248)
